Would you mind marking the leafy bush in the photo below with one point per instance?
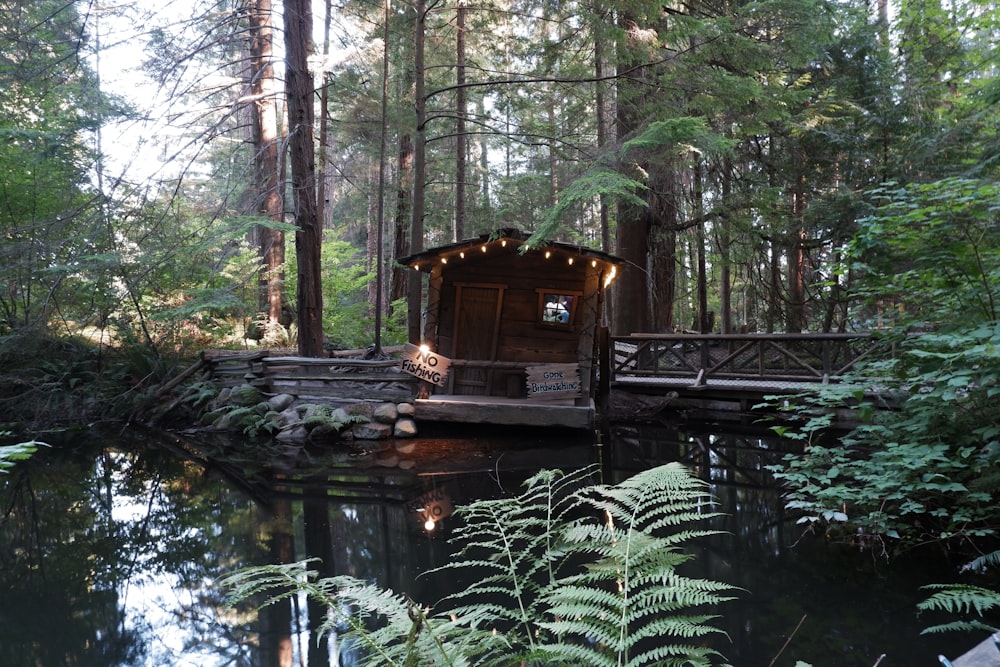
(925, 472)
(563, 575)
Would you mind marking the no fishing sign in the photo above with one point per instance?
(424, 364)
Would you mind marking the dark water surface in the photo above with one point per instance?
(110, 546)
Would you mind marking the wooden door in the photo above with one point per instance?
(477, 325)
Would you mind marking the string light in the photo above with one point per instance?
(548, 253)
(611, 275)
(462, 255)
(571, 261)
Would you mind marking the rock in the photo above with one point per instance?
(362, 409)
(290, 416)
(245, 395)
(340, 416)
(225, 422)
(405, 409)
(406, 465)
(323, 433)
(386, 413)
(210, 418)
(280, 402)
(387, 461)
(407, 448)
(405, 428)
(293, 434)
(371, 431)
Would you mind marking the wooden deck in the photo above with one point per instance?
(500, 410)
(720, 375)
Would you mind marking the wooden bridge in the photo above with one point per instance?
(730, 372)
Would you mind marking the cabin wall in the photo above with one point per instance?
(520, 336)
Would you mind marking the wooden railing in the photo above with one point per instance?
(804, 357)
(321, 377)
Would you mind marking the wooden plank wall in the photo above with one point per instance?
(319, 377)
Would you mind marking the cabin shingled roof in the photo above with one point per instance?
(426, 258)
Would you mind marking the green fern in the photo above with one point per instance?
(961, 599)
(567, 573)
(321, 414)
(22, 451)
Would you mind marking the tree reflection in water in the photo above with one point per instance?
(109, 549)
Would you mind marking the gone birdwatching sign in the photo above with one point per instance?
(553, 381)
(424, 364)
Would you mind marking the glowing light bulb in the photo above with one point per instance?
(429, 525)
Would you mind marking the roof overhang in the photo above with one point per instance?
(508, 240)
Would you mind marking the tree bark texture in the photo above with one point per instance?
(264, 121)
(302, 151)
(414, 288)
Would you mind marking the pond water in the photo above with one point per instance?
(111, 546)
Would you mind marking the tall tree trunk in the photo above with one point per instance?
(324, 126)
(460, 109)
(796, 318)
(705, 318)
(380, 194)
(631, 290)
(724, 241)
(603, 125)
(264, 121)
(404, 192)
(414, 291)
(302, 151)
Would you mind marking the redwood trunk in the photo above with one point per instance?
(302, 152)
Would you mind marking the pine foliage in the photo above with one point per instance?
(566, 573)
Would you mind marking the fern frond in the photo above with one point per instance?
(960, 599)
(984, 562)
(630, 591)
(566, 574)
(959, 626)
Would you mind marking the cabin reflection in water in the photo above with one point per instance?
(502, 312)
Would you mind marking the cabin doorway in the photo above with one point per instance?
(477, 327)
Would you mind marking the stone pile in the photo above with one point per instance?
(295, 419)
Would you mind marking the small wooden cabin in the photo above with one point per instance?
(519, 327)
